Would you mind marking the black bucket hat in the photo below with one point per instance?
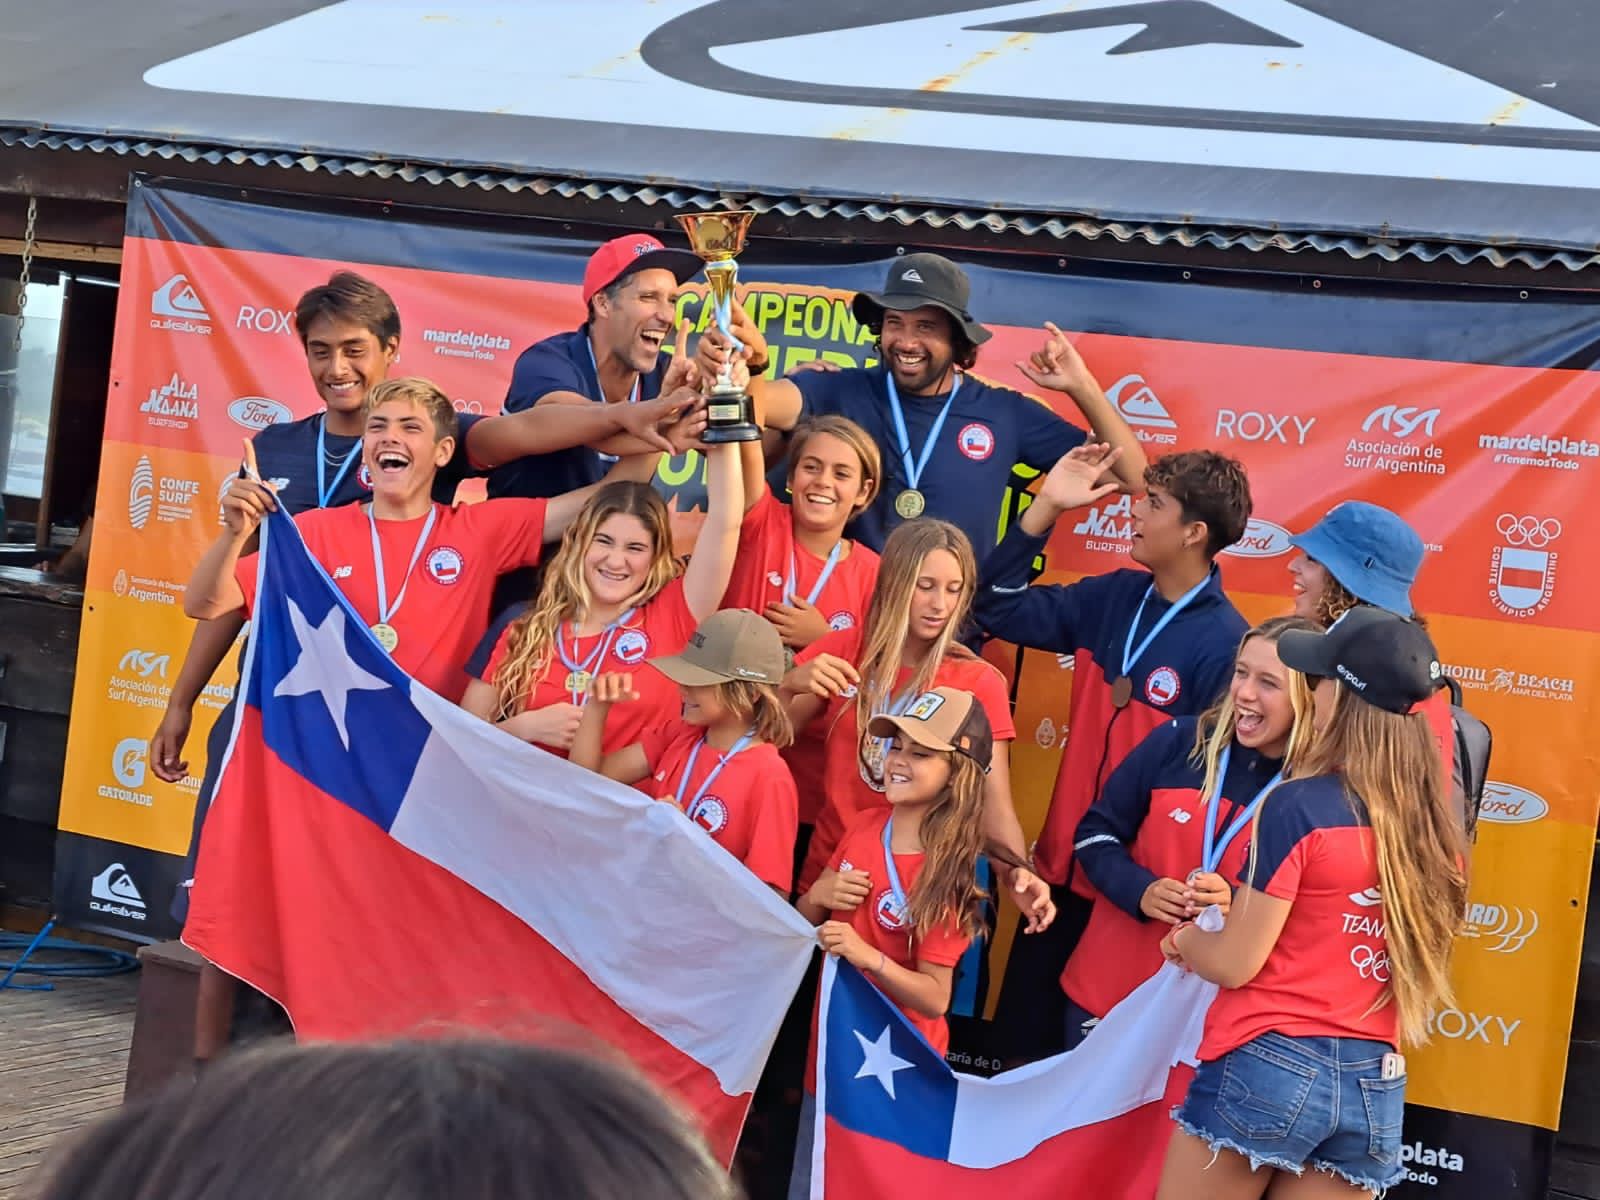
(916, 281)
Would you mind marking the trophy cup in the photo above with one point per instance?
(717, 237)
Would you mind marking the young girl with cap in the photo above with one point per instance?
(719, 764)
(1337, 947)
(906, 646)
(1168, 832)
(610, 599)
(899, 899)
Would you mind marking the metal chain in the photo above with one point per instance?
(27, 269)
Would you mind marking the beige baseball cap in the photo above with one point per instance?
(731, 644)
(943, 719)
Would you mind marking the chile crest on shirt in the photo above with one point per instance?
(445, 564)
(710, 813)
(888, 911)
(976, 441)
(1162, 686)
(632, 646)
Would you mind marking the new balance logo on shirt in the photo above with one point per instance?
(1180, 815)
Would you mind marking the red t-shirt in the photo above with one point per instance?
(661, 626)
(761, 570)
(749, 809)
(878, 922)
(1330, 965)
(446, 605)
(846, 794)
(760, 576)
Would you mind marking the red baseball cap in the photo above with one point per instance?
(631, 252)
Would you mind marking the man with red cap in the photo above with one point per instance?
(630, 288)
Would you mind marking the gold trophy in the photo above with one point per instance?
(717, 237)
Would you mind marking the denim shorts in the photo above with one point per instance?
(1297, 1102)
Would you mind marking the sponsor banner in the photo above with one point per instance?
(1492, 460)
(1453, 1156)
(109, 886)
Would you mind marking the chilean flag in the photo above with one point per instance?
(384, 864)
(893, 1121)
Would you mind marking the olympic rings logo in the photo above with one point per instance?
(1528, 531)
(470, 407)
(1370, 963)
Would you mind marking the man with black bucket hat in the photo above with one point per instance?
(949, 440)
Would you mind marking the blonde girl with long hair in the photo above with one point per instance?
(907, 646)
(1168, 832)
(1336, 952)
(611, 598)
(720, 763)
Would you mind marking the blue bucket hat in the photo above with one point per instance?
(1373, 554)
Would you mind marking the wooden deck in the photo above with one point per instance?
(63, 1056)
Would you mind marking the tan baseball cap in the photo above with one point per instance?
(731, 644)
(943, 719)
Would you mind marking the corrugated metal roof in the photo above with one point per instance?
(990, 221)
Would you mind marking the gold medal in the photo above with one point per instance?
(386, 635)
(1121, 691)
(578, 681)
(910, 503)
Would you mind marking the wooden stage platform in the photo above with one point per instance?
(63, 1060)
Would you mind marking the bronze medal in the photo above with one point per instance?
(1121, 691)
(910, 503)
(386, 635)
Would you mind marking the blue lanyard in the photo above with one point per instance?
(385, 609)
(325, 490)
(901, 901)
(1131, 655)
(822, 579)
(1212, 852)
(600, 387)
(914, 470)
(688, 771)
(570, 661)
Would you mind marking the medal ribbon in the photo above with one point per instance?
(892, 873)
(598, 654)
(705, 784)
(1130, 655)
(895, 707)
(633, 398)
(325, 490)
(385, 609)
(792, 584)
(1212, 851)
(914, 470)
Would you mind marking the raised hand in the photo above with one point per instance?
(247, 500)
(682, 370)
(1080, 477)
(1057, 364)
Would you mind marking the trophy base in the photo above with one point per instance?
(730, 418)
(717, 435)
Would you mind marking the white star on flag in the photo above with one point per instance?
(315, 672)
(879, 1061)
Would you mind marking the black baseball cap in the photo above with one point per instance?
(1384, 659)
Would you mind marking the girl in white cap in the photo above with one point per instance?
(720, 763)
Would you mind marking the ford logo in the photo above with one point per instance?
(257, 412)
(1262, 539)
(1508, 804)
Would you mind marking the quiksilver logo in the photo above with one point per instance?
(911, 276)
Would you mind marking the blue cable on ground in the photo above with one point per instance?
(93, 961)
